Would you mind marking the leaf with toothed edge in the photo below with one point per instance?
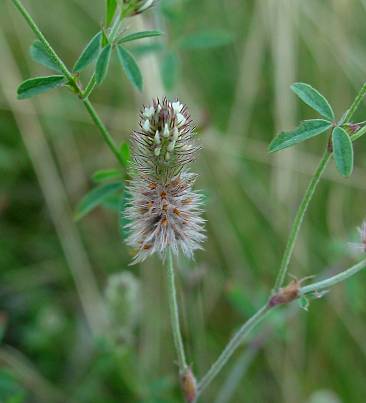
(306, 130)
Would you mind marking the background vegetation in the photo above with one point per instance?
(56, 347)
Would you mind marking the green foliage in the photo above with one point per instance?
(39, 85)
(10, 390)
(124, 151)
(206, 39)
(40, 55)
(342, 151)
(102, 65)
(139, 35)
(89, 53)
(306, 130)
(106, 174)
(111, 6)
(130, 67)
(95, 197)
(314, 99)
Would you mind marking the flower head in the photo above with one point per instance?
(163, 211)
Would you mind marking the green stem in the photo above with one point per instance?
(174, 315)
(355, 104)
(295, 228)
(44, 41)
(331, 281)
(231, 347)
(103, 130)
(96, 119)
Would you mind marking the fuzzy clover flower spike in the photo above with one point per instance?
(163, 211)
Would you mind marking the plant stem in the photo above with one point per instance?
(92, 112)
(331, 281)
(44, 41)
(230, 348)
(355, 104)
(174, 315)
(103, 130)
(295, 228)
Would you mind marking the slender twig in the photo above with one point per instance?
(331, 281)
(72, 81)
(355, 104)
(296, 225)
(174, 315)
(230, 348)
(238, 338)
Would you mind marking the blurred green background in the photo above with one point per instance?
(77, 324)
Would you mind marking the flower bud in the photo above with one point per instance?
(189, 385)
(134, 7)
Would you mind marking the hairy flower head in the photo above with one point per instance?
(163, 210)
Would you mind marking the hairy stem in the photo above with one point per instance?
(355, 104)
(331, 281)
(296, 225)
(231, 347)
(174, 315)
(72, 81)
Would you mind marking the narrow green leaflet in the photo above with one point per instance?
(206, 39)
(106, 174)
(314, 99)
(139, 35)
(110, 11)
(89, 54)
(95, 197)
(130, 67)
(40, 55)
(125, 153)
(306, 130)
(102, 65)
(342, 151)
(169, 70)
(38, 85)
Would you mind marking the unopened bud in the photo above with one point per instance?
(189, 385)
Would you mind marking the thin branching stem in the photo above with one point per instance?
(300, 214)
(72, 81)
(231, 347)
(238, 338)
(331, 281)
(174, 315)
(355, 104)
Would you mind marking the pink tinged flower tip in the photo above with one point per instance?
(164, 211)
